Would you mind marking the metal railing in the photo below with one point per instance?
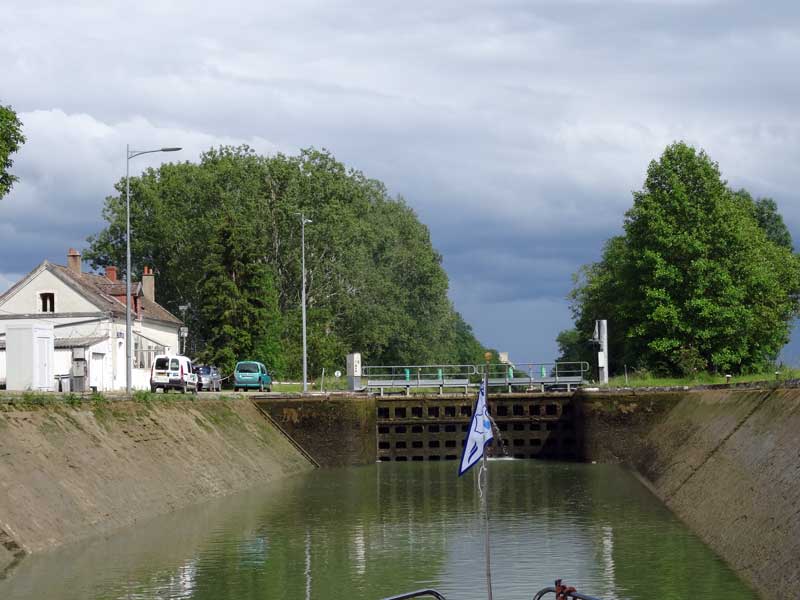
(418, 594)
(420, 376)
(553, 375)
(544, 376)
(561, 591)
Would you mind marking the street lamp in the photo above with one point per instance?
(129, 154)
(303, 222)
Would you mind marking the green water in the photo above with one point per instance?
(375, 531)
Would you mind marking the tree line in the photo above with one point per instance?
(223, 236)
(703, 278)
(11, 140)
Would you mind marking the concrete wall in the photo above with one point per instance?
(726, 461)
(334, 430)
(71, 473)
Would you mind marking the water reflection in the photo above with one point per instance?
(374, 531)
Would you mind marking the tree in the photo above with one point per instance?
(11, 139)
(375, 284)
(697, 281)
(238, 303)
(572, 346)
(765, 211)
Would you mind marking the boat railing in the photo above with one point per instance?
(560, 590)
(418, 594)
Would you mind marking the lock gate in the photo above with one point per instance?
(433, 427)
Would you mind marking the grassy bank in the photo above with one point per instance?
(647, 380)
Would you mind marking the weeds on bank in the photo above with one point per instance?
(101, 407)
(73, 400)
(149, 398)
(146, 398)
(37, 399)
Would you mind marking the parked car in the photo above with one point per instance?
(208, 378)
(172, 372)
(250, 374)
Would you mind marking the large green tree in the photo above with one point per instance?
(11, 139)
(375, 283)
(238, 302)
(702, 279)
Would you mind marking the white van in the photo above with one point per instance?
(172, 371)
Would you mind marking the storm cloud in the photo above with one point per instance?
(516, 130)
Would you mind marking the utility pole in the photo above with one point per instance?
(129, 154)
(303, 222)
(184, 331)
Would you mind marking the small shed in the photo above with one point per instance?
(30, 356)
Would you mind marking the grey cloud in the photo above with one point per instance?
(515, 129)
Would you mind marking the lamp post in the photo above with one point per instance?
(303, 222)
(129, 154)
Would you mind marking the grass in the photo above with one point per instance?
(331, 385)
(647, 380)
(37, 399)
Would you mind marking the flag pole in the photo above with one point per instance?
(478, 437)
(485, 471)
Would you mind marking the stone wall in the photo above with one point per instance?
(71, 472)
(726, 461)
(336, 430)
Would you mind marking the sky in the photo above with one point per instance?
(516, 129)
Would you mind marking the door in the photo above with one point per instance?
(96, 371)
(43, 380)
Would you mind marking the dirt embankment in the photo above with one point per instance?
(725, 461)
(71, 472)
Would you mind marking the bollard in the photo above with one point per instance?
(439, 374)
(407, 374)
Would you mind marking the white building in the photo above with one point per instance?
(87, 315)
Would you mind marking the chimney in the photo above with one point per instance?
(149, 284)
(74, 260)
(111, 273)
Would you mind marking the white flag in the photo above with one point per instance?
(480, 433)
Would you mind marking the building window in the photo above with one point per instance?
(144, 351)
(48, 300)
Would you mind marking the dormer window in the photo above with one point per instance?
(48, 302)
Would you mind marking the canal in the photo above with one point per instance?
(370, 532)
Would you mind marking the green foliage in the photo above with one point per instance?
(224, 235)
(239, 303)
(11, 139)
(702, 279)
(769, 219)
(73, 400)
(573, 346)
(31, 398)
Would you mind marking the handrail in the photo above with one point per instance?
(553, 374)
(411, 372)
(562, 592)
(418, 594)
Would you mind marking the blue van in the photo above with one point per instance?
(250, 374)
